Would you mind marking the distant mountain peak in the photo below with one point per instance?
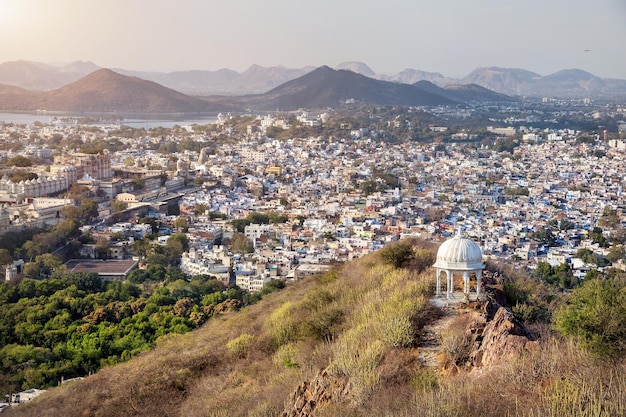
(326, 87)
(105, 90)
(573, 73)
(358, 67)
(81, 67)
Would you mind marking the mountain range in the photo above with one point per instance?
(567, 83)
(105, 90)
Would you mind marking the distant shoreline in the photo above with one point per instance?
(137, 120)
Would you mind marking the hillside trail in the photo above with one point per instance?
(429, 343)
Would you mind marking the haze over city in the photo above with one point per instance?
(452, 37)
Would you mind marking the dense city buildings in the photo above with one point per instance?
(524, 193)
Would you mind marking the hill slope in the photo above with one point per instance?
(107, 91)
(362, 326)
(326, 87)
(464, 93)
(249, 362)
(565, 83)
(41, 77)
(11, 89)
(190, 82)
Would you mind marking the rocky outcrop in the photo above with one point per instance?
(492, 334)
(322, 389)
(500, 336)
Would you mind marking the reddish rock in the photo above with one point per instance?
(503, 337)
(324, 388)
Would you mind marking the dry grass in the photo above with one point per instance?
(248, 363)
(240, 345)
(554, 380)
(455, 345)
(197, 374)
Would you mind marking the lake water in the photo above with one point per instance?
(147, 122)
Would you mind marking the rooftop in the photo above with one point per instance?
(109, 269)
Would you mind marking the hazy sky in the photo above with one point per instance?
(448, 36)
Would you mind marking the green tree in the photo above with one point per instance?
(180, 237)
(19, 161)
(543, 270)
(258, 218)
(241, 244)
(157, 259)
(85, 281)
(590, 257)
(564, 276)
(48, 263)
(275, 217)
(77, 192)
(88, 209)
(200, 209)
(102, 247)
(595, 315)
(117, 205)
(21, 175)
(545, 235)
(174, 248)
(5, 257)
(616, 253)
(397, 254)
(566, 224)
(597, 236)
(181, 223)
(129, 161)
(67, 228)
(609, 218)
(31, 269)
(70, 212)
(240, 224)
(137, 276)
(155, 272)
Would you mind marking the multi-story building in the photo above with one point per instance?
(96, 166)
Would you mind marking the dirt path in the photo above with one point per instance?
(429, 343)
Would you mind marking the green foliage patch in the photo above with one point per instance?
(73, 324)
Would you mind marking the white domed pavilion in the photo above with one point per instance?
(459, 254)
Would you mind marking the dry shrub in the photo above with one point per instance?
(332, 409)
(556, 379)
(424, 380)
(281, 325)
(422, 260)
(285, 355)
(266, 409)
(240, 345)
(322, 324)
(219, 413)
(383, 316)
(398, 368)
(318, 298)
(455, 344)
(357, 358)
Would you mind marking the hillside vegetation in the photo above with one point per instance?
(354, 332)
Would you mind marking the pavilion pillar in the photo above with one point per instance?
(478, 275)
(438, 291)
(466, 282)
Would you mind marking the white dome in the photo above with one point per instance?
(459, 253)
